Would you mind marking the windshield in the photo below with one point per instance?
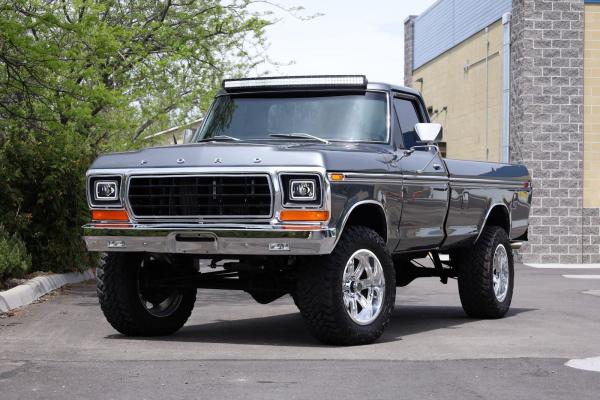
(337, 117)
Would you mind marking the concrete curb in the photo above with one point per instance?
(35, 288)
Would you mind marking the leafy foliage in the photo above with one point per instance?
(78, 77)
(101, 68)
(43, 196)
(14, 259)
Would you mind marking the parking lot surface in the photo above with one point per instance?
(233, 347)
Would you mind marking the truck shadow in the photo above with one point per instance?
(289, 329)
(411, 320)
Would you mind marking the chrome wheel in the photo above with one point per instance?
(501, 274)
(363, 287)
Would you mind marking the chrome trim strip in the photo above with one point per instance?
(358, 176)
(390, 178)
(410, 177)
(216, 225)
(355, 176)
(347, 216)
(492, 206)
(367, 181)
(217, 169)
(489, 181)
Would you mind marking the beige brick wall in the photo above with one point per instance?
(591, 101)
(447, 84)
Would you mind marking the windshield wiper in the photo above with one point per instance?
(219, 138)
(300, 135)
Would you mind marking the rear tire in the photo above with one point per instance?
(347, 297)
(486, 275)
(133, 309)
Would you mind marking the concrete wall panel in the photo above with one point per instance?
(446, 82)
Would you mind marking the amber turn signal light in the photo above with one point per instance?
(335, 177)
(303, 215)
(110, 215)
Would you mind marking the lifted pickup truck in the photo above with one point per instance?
(327, 188)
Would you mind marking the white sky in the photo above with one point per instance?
(353, 37)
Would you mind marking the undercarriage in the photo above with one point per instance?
(276, 276)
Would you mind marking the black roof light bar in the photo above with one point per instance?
(298, 82)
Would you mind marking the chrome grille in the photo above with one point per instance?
(200, 196)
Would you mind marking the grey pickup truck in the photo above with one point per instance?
(326, 188)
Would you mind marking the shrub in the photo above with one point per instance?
(43, 197)
(14, 259)
(80, 78)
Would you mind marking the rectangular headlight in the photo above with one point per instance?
(301, 190)
(104, 191)
(331, 81)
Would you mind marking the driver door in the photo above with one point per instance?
(425, 183)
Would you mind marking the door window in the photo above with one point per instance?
(408, 116)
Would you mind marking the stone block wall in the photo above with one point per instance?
(547, 127)
(409, 40)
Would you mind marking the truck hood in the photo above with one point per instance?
(334, 156)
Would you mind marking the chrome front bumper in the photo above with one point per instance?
(264, 239)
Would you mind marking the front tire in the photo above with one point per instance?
(347, 297)
(486, 275)
(133, 308)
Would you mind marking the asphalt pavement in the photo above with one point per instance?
(232, 347)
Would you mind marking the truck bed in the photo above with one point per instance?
(478, 189)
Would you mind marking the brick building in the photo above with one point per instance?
(519, 81)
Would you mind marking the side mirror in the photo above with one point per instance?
(429, 133)
(187, 135)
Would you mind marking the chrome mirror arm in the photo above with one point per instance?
(429, 146)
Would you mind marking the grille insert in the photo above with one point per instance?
(200, 196)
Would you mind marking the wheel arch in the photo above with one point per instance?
(498, 215)
(362, 213)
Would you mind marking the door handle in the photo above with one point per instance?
(465, 200)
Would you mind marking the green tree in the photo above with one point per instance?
(82, 76)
